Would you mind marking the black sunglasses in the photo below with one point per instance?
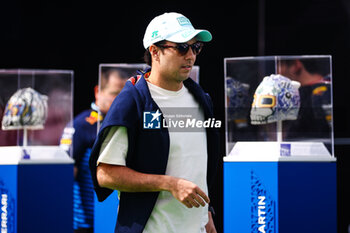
(183, 48)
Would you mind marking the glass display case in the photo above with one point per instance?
(279, 166)
(283, 101)
(35, 106)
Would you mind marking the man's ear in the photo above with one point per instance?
(298, 68)
(154, 51)
(96, 92)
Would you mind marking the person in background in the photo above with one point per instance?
(315, 114)
(79, 140)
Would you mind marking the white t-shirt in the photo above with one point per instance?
(187, 159)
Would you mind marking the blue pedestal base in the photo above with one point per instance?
(36, 190)
(36, 198)
(280, 197)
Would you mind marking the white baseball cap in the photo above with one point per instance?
(173, 27)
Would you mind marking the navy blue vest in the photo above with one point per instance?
(148, 149)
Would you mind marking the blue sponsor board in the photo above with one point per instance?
(280, 197)
(36, 198)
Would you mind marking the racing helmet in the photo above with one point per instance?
(26, 108)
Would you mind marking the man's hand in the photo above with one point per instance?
(210, 227)
(188, 193)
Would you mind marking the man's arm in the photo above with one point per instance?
(126, 179)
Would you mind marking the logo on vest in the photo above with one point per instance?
(151, 120)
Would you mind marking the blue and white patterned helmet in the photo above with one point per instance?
(26, 108)
(276, 99)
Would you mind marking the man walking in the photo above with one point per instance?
(164, 176)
